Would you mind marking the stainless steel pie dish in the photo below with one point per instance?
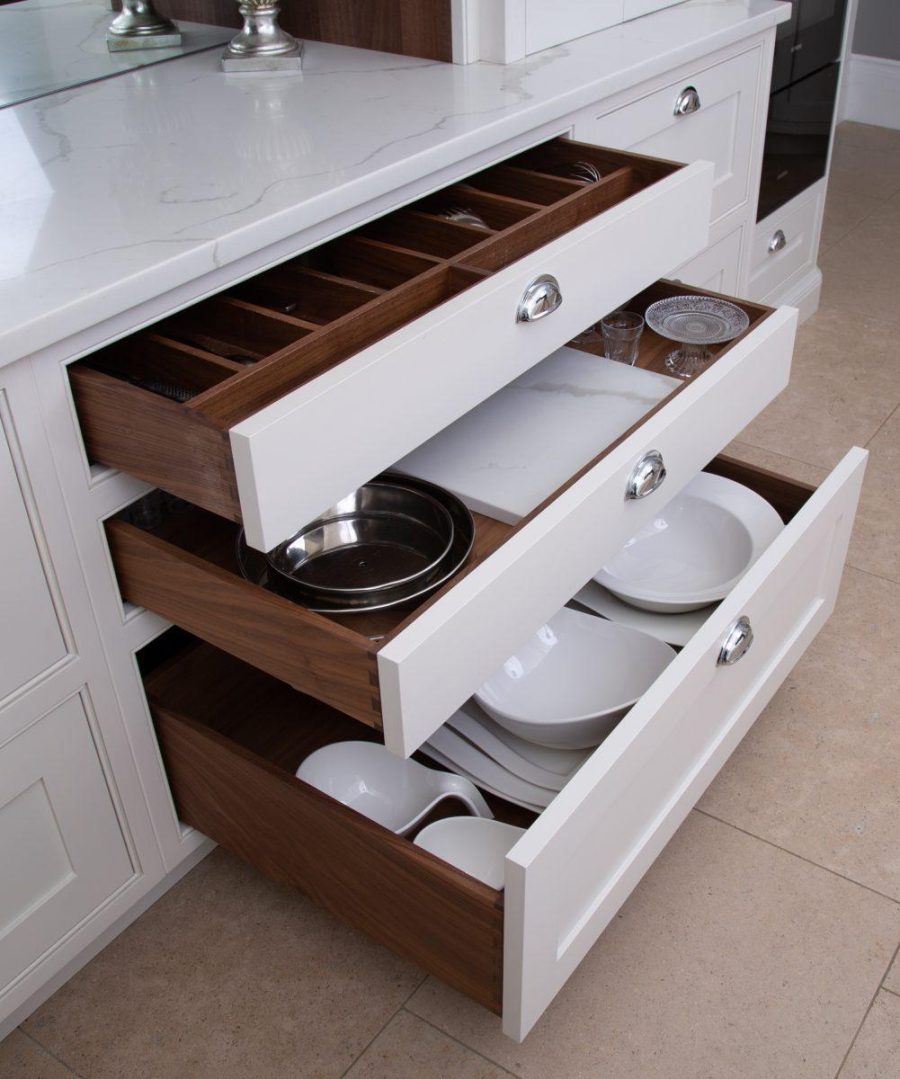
(382, 536)
(256, 567)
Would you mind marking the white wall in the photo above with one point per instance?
(871, 84)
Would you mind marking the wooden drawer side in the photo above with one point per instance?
(376, 881)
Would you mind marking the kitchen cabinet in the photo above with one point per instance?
(236, 715)
(224, 393)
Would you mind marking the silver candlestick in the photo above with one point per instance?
(262, 45)
(138, 26)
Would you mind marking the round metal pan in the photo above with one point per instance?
(255, 567)
(383, 536)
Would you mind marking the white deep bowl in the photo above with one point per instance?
(573, 680)
(695, 549)
(474, 845)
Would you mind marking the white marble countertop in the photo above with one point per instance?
(52, 45)
(114, 194)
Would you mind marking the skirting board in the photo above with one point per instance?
(871, 94)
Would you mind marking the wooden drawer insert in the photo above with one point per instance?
(168, 403)
(232, 738)
(186, 570)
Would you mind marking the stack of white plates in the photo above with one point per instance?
(472, 745)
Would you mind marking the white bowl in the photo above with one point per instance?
(573, 680)
(396, 793)
(474, 845)
(695, 549)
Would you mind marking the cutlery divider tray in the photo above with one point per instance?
(160, 403)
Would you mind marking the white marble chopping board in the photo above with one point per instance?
(507, 455)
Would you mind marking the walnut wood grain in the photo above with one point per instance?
(788, 496)
(497, 211)
(228, 326)
(408, 27)
(156, 440)
(231, 738)
(248, 391)
(371, 261)
(329, 661)
(524, 184)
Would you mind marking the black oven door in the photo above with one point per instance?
(797, 137)
(809, 40)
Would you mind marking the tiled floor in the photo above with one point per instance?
(760, 944)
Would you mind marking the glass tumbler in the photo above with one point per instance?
(622, 335)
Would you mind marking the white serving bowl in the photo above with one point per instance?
(474, 845)
(571, 683)
(695, 549)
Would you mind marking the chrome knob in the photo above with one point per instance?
(778, 241)
(688, 101)
(646, 475)
(737, 642)
(541, 298)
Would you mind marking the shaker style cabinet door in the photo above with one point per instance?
(31, 640)
(62, 852)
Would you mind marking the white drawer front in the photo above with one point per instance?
(783, 243)
(717, 268)
(430, 668)
(305, 451)
(580, 860)
(720, 130)
(61, 849)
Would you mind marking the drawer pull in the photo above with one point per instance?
(778, 241)
(646, 475)
(737, 642)
(541, 298)
(688, 101)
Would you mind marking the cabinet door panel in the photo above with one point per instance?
(30, 636)
(61, 849)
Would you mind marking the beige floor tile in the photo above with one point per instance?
(409, 1048)
(229, 974)
(861, 272)
(839, 394)
(20, 1058)
(868, 136)
(876, 1051)
(819, 773)
(731, 958)
(865, 170)
(892, 980)
(844, 210)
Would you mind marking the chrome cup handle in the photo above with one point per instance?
(540, 298)
(688, 101)
(737, 642)
(646, 475)
(778, 241)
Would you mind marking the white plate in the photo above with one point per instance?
(572, 682)
(477, 847)
(516, 448)
(561, 762)
(675, 628)
(439, 758)
(481, 769)
(467, 724)
(696, 548)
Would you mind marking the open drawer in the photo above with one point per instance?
(270, 402)
(406, 669)
(232, 738)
